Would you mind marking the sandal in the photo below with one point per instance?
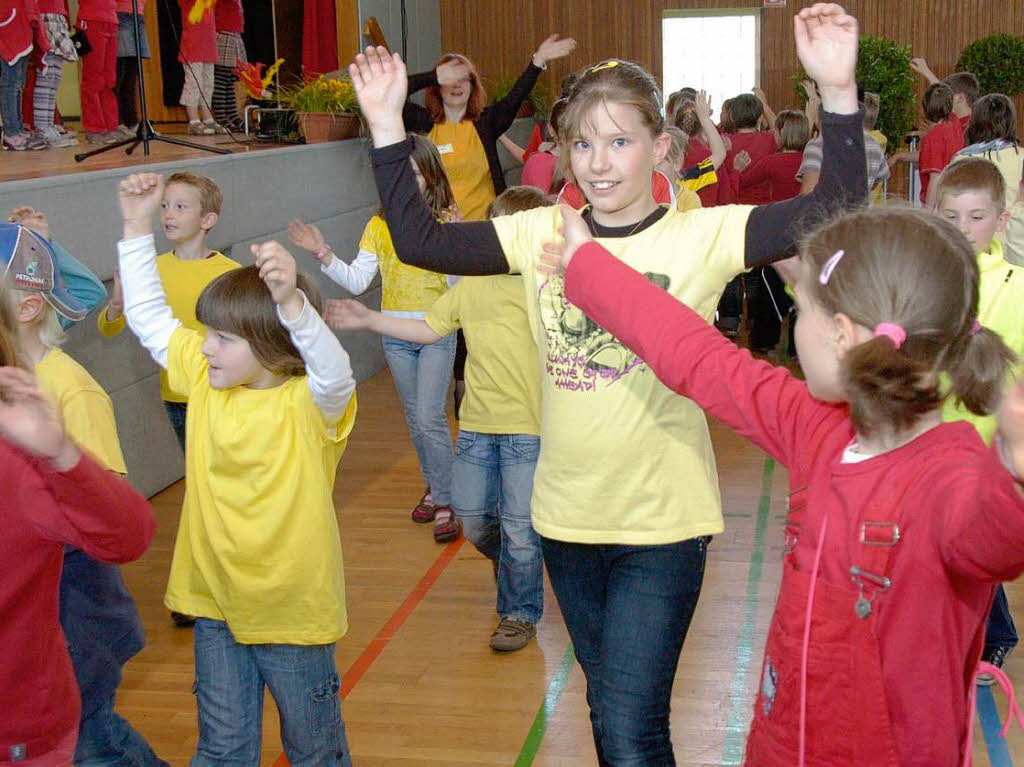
(446, 525)
(424, 511)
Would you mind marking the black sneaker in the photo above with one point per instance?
(729, 326)
(996, 656)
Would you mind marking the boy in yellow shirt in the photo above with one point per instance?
(189, 210)
(971, 195)
(499, 423)
(97, 613)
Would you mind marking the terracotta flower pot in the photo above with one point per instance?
(318, 127)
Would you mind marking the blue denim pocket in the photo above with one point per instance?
(323, 708)
(465, 442)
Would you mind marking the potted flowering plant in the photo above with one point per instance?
(326, 107)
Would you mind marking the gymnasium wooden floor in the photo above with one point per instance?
(421, 687)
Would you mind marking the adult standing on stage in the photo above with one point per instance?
(464, 130)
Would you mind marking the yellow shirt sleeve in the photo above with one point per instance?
(443, 317)
(89, 421)
(519, 233)
(109, 328)
(186, 365)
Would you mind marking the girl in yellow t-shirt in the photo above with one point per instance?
(257, 558)
(625, 493)
(422, 372)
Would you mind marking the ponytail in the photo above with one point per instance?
(886, 385)
(978, 371)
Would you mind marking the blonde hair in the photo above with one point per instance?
(611, 81)
(516, 199)
(211, 198)
(46, 323)
(239, 302)
(913, 269)
(677, 147)
(8, 345)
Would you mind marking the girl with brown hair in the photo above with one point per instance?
(900, 526)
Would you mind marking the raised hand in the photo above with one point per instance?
(308, 237)
(554, 47)
(381, 85)
(140, 195)
(34, 219)
(826, 42)
(556, 256)
(451, 72)
(741, 161)
(29, 420)
(702, 106)
(347, 314)
(277, 270)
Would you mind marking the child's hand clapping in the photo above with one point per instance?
(278, 271)
(308, 237)
(347, 314)
(557, 255)
(140, 195)
(34, 219)
(741, 161)
(29, 420)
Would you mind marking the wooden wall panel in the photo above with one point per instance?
(499, 35)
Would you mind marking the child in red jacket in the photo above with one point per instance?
(900, 526)
(98, 19)
(19, 34)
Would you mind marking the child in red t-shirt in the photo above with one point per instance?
(746, 110)
(943, 140)
(98, 19)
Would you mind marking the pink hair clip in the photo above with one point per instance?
(893, 332)
(975, 328)
(830, 266)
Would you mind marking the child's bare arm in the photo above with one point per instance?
(349, 314)
(769, 114)
(513, 148)
(919, 65)
(702, 107)
(355, 277)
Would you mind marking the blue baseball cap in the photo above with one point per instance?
(29, 262)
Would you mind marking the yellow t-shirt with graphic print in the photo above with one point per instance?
(258, 544)
(183, 280)
(1000, 298)
(404, 288)
(502, 374)
(624, 459)
(85, 407)
(465, 164)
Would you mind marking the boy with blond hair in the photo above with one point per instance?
(971, 195)
(190, 209)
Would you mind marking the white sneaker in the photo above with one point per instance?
(55, 139)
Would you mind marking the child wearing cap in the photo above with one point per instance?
(97, 614)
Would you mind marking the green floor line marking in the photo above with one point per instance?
(732, 753)
(547, 710)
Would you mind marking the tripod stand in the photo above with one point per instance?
(145, 132)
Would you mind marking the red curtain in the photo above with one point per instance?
(319, 38)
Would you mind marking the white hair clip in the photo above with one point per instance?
(830, 266)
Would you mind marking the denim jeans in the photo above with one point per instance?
(628, 609)
(422, 373)
(491, 488)
(1000, 630)
(230, 678)
(107, 740)
(176, 413)
(12, 83)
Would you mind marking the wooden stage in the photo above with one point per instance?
(58, 162)
(421, 687)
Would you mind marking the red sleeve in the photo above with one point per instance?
(930, 158)
(536, 139)
(982, 535)
(94, 510)
(757, 400)
(571, 195)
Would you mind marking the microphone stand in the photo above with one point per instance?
(145, 133)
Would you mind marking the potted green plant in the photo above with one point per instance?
(998, 63)
(538, 103)
(883, 67)
(326, 107)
